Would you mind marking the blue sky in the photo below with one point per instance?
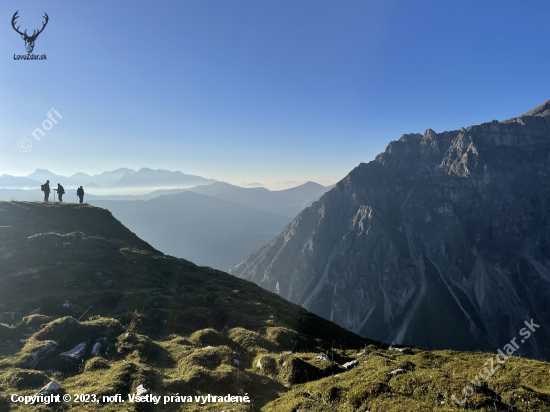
(267, 91)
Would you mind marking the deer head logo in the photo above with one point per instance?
(29, 40)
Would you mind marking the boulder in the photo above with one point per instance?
(96, 350)
(38, 354)
(396, 372)
(141, 391)
(402, 351)
(75, 353)
(49, 389)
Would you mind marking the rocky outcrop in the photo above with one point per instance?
(443, 241)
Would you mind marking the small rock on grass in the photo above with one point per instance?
(50, 388)
(75, 353)
(141, 391)
(350, 365)
(403, 351)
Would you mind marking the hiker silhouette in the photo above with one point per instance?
(80, 193)
(60, 192)
(46, 189)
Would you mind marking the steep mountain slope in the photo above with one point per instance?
(116, 314)
(208, 231)
(443, 241)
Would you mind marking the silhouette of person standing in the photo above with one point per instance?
(80, 194)
(60, 192)
(46, 189)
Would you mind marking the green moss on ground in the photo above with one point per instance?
(519, 385)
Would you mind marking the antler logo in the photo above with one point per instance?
(29, 40)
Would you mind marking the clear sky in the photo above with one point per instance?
(270, 90)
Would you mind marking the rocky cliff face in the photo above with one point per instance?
(443, 241)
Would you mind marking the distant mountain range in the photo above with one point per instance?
(80, 179)
(149, 178)
(117, 179)
(288, 202)
(217, 225)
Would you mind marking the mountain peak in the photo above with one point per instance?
(542, 110)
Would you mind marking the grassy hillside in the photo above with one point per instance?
(71, 274)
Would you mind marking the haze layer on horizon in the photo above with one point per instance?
(248, 91)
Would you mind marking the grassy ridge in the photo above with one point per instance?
(91, 278)
(174, 327)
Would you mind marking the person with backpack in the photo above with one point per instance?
(80, 193)
(46, 189)
(60, 192)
